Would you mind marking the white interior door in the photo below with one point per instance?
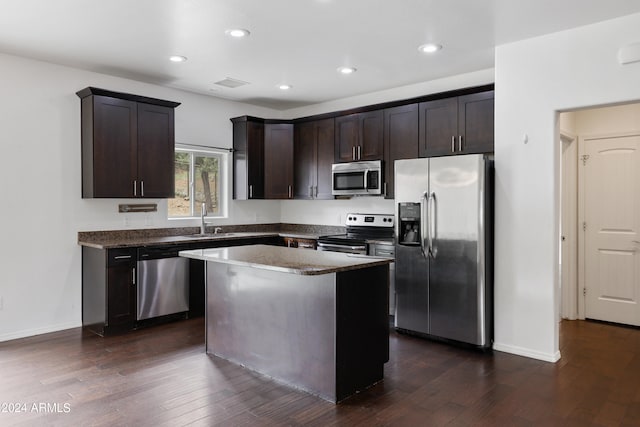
(612, 217)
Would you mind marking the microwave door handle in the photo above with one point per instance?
(366, 179)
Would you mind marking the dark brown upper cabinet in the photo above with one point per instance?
(401, 128)
(128, 145)
(313, 157)
(248, 158)
(278, 161)
(459, 125)
(359, 137)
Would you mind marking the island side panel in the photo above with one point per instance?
(362, 328)
(279, 324)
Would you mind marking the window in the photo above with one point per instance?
(200, 176)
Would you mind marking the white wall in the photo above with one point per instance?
(477, 78)
(42, 209)
(536, 78)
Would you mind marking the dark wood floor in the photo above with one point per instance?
(161, 376)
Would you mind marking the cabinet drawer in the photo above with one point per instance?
(121, 256)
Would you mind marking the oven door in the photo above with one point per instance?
(343, 247)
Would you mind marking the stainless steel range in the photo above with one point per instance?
(367, 234)
(362, 230)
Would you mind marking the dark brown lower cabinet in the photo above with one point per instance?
(108, 289)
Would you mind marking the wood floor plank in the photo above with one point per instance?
(161, 376)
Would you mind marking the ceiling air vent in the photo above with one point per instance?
(231, 83)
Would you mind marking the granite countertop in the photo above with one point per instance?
(175, 236)
(286, 260)
(110, 243)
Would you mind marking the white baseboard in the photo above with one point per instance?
(38, 331)
(527, 352)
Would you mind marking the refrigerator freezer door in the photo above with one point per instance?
(412, 267)
(412, 289)
(456, 272)
(412, 177)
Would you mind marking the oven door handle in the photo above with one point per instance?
(329, 246)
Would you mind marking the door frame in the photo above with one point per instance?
(582, 140)
(568, 306)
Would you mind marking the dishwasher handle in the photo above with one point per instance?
(146, 254)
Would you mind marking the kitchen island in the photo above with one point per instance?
(317, 321)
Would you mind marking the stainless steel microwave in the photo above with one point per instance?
(357, 178)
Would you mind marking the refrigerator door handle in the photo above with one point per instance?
(431, 212)
(423, 223)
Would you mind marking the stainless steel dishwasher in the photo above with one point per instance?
(163, 282)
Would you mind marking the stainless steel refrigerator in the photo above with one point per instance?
(444, 248)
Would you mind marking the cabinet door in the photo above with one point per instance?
(110, 152)
(255, 160)
(156, 142)
(371, 146)
(347, 134)
(305, 160)
(121, 288)
(325, 157)
(438, 126)
(476, 123)
(248, 159)
(400, 140)
(314, 156)
(278, 161)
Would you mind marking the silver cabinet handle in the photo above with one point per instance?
(142, 188)
(459, 142)
(453, 144)
(316, 188)
(385, 190)
(133, 276)
(289, 191)
(251, 191)
(359, 152)
(135, 188)
(311, 191)
(353, 152)
(122, 257)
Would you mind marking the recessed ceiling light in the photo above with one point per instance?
(346, 70)
(177, 58)
(237, 33)
(430, 48)
(284, 87)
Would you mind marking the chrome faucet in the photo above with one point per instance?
(215, 230)
(203, 224)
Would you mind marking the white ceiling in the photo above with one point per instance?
(298, 42)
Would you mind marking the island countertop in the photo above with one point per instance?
(287, 260)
